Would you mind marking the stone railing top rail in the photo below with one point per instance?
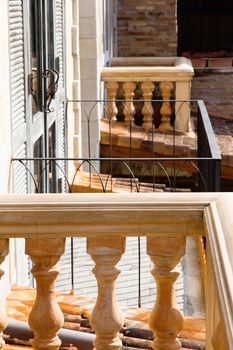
(92, 214)
(148, 69)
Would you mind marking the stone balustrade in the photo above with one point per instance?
(173, 77)
(106, 220)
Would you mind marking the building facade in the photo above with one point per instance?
(54, 54)
(46, 45)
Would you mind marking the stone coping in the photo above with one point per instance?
(148, 69)
(149, 61)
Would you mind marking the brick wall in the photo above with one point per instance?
(215, 88)
(147, 28)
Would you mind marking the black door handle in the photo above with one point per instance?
(53, 77)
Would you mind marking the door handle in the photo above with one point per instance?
(53, 77)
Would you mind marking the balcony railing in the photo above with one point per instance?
(173, 159)
(147, 79)
(165, 174)
(107, 220)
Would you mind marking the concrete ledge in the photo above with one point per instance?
(148, 69)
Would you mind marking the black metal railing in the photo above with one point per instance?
(152, 174)
(208, 150)
(187, 167)
(178, 160)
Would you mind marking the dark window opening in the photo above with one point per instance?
(38, 165)
(35, 56)
(52, 164)
(205, 26)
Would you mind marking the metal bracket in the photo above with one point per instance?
(53, 77)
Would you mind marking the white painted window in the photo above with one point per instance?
(109, 29)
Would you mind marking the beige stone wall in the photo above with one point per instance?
(72, 52)
(91, 61)
(147, 28)
(84, 59)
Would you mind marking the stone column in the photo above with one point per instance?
(129, 109)
(166, 321)
(111, 109)
(166, 110)
(147, 109)
(106, 318)
(182, 109)
(46, 317)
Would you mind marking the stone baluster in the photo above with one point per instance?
(46, 317)
(111, 88)
(106, 318)
(147, 109)
(166, 321)
(218, 339)
(129, 109)
(166, 110)
(4, 250)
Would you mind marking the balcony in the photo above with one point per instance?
(147, 159)
(45, 220)
(145, 78)
(153, 168)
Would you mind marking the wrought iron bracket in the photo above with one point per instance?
(53, 77)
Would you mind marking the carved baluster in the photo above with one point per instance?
(112, 110)
(147, 109)
(219, 338)
(46, 317)
(166, 110)
(129, 109)
(106, 317)
(166, 321)
(4, 250)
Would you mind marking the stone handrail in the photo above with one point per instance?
(106, 220)
(172, 73)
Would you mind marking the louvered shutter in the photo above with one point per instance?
(17, 76)
(18, 120)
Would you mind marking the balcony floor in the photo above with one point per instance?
(142, 143)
